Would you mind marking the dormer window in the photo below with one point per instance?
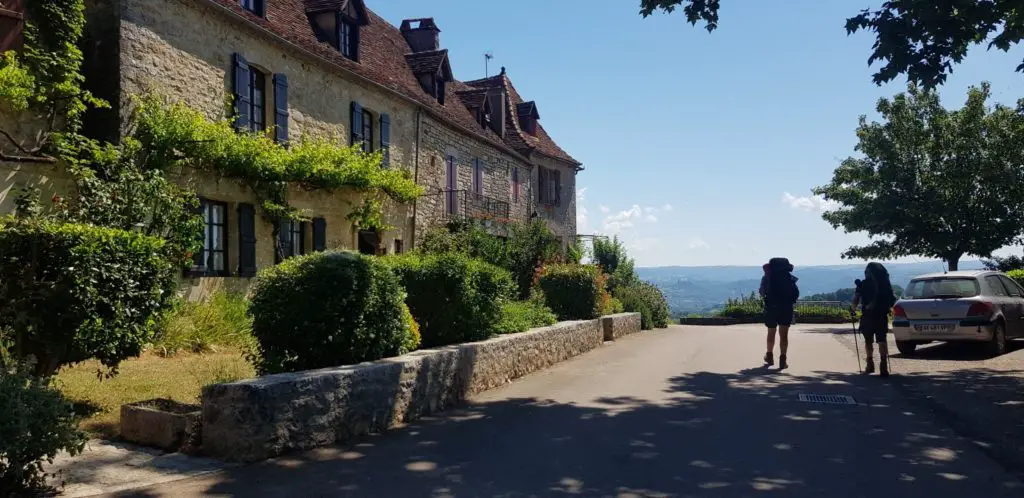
(439, 86)
(254, 6)
(528, 117)
(337, 23)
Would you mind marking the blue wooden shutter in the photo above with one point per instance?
(357, 123)
(303, 228)
(319, 234)
(246, 240)
(242, 92)
(385, 139)
(281, 108)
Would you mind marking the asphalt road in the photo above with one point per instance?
(686, 411)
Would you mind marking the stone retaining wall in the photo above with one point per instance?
(264, 417)
(721, 321)
(620, 325)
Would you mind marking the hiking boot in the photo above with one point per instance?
(769, 360)
(884, 371)
(869, 367)
(782, 362)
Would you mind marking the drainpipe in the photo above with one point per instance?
(416, 175)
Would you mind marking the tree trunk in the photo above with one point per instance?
(953, 262)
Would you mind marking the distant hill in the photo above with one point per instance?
(704, 288)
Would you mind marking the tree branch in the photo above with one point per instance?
(16, 144)
(27, 159)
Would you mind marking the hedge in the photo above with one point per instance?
(645, 298)
(327, 309)
(575, 292)
(454, 298)
(520, 316)
(1017, 275)
(72, 292)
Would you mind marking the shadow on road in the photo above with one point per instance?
(713, 434)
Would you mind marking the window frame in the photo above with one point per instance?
(205, 210)
(296, 239)
(258, 7)
(516, 185)
(1012, 286)
(257, 110)
(367, 130)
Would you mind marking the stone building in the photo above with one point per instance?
(332, 69)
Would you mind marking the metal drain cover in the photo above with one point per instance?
(828, 399)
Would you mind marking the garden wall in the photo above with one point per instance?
(261, 418)
(620, 325)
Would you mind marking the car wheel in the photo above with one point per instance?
(906, 347)
(997, 346)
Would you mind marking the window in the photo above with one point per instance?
(258, 100)
(347, 37)
(515, 185)
(398, 246)
(367, 131)
(292, 235)
(254, 6)
(369, 242)
(549, 186)
(996, 286)
(439, 86)
(1012, 287)
(212, 258)
(478, 177)
(942, 287)
(12, 25)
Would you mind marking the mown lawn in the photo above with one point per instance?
(180, 377)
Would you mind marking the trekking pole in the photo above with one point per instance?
(856, 344)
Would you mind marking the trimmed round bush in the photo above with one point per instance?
(575, 292)
(645, 298)
(454, 298)
(327, 309)
(37, 424)
(75, 292)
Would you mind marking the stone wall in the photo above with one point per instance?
(47, 178)
(620, 325)
(260, 418)
(437, 142)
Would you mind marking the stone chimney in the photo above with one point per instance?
(422, 35)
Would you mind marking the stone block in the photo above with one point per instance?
(162, 423)
(620, 325)
(260, 418)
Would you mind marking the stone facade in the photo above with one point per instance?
(561, 216)
(260, 418)
(438, 142)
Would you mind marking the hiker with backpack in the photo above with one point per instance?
(876, 298)
(780, 295)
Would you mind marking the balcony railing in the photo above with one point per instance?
(468, 204)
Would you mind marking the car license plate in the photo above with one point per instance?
(932, 328)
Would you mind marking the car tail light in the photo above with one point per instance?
(980, 309)
(899, 312)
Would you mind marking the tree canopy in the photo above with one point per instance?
(920, 38)
(931, 181)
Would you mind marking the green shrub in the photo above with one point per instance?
(412, 328)
(37, 423)
(575, 292)
(520, 316)
(614, 306)
(73, 292)
(326, 309)
(1017, 275)
(645, 298)
(752, 309)
(454, 298)
(611, 256)
(199, 327)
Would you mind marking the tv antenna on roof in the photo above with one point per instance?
(488, 55)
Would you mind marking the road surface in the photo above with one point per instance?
(681, 412)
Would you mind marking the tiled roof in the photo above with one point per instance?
(527, 108)
(474, 98)
(514, 134)
(382, 60)
(322, 5)
(427, 62)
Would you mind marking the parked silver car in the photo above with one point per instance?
(973, 306)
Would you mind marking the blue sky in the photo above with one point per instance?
(700, 149)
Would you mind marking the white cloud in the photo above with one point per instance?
(582, 221)
(697, 243)
(651, 218)
(814, 203)
(604, 209)
(667, 208)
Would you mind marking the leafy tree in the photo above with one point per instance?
(931, 181)
(919, 38)
(1009, 263)
(611, 256)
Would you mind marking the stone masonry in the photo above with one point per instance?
(260, 418)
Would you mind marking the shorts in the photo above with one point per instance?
(874, 327)
(775, 316)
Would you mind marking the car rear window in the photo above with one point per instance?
(942, 287)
